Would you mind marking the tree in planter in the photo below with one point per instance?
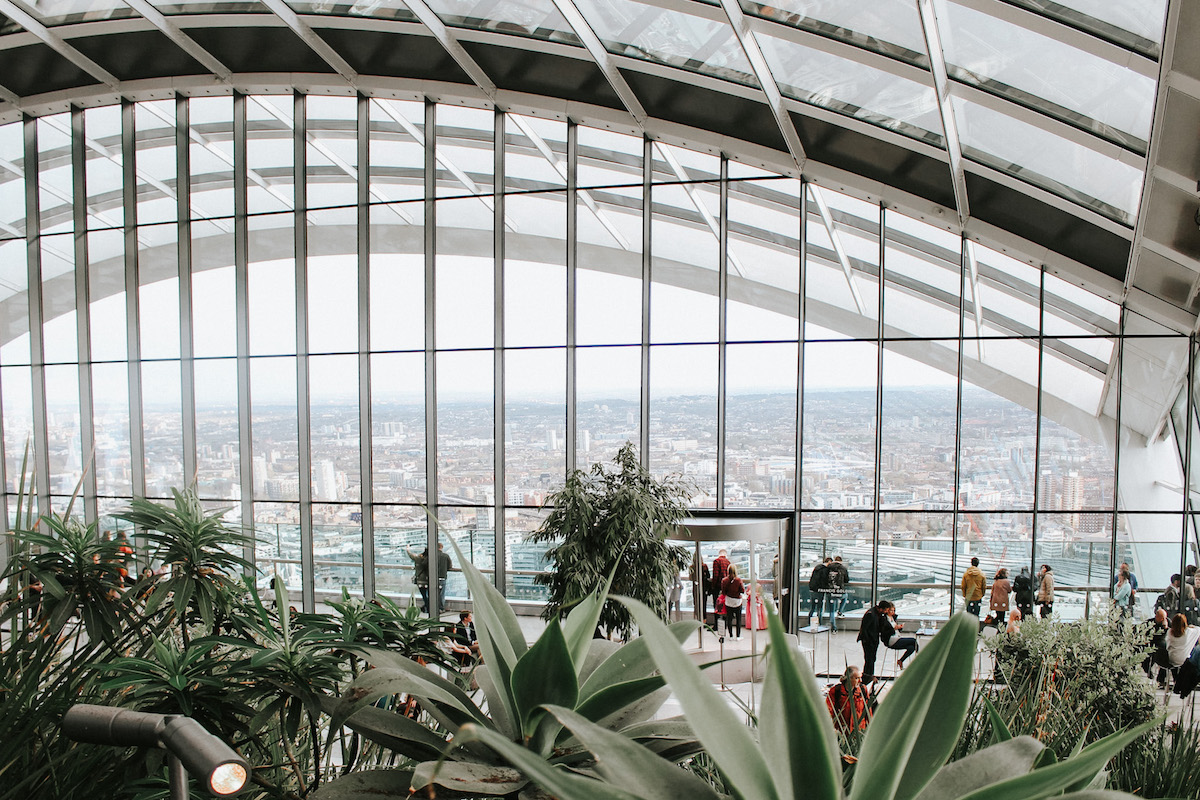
(613, 521)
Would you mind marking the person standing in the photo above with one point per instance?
(705, 584)
(1001, 587)
(839, 579)
(816, 582)
(1123, 595)
(421, 574)
(973, 587)
(443, 573)
(868, 634)
(1023, 593)
(1045, 591)
(720, 568)
(733, 589)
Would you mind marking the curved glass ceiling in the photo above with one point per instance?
(1059, 95)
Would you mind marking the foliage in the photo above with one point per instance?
(261, 686)
(197, 547)
(611, 686)
(796, 753)
(1062, 682)
(612, 521)
(1163, 763)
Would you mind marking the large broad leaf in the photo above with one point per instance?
(1055, 778)
(496, 707)
(461, 779)
(622, 704)
(794, 726)
(394, 731)
(672, 739)
(580, 625)
(627, 765)
(557, 781)
(376, 784)
(376, 683)
(501, 641)
(983, 768)
(723, 734)
(544, 676)
(632, 660)
(919, 721)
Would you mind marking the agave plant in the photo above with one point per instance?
(795, 754)
(613, 686)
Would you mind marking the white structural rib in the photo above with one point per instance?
(762, 71)
(603, 59)
(713, 225)
(452, 46)
(561, 168)
(57, 43)
(185, 43)
(318, 45)
(836, 240)
(320, 147)
(976, 299)
(941, 85)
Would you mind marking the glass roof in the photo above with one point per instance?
(1018, 70)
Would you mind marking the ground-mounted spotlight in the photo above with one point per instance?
(192, 749)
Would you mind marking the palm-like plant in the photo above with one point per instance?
(611, 685)
(612, 522)
(198, 547)
(903, 756)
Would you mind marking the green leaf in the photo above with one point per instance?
(616, 697)
(544, 675)
(1000, 731)
(983, 768)
(466, 780)
(496, 707)
(723, 734)
(376, 784)
(630, 661)
(559, 782)
(1053, 779)
(373, 684)
(795, 729)
(918, 723)
(395, 731)
(580, 625)
(631, 767)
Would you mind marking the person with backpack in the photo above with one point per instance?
(816, 582)
(1023, 593)
(836, 580)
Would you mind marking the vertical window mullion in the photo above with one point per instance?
(241, 262)
(87, 423)
(431, 411)
(137, 443)
(879, 351)
(722, 315)
(187, 375)
(499, 395)
(647, 243)
(365, 426)
(303, 399)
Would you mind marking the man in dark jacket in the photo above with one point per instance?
(816, 582)
(868, 634)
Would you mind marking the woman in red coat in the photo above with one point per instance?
(847, 703)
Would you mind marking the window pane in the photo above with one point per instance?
(914, 563)
(465, 274)
(535, 421)
(760, 426)
(337, 548)
(920, 413)
(685, 248)
(271, 290)
(110, 403)
(839, 424)
(535, 275)
(158, 300)
(465, 428)
(609, 401)
(16, 392)
(764, 260)
(274, 424)
(154, 122)
(218, 464)
(398, 417)
(333, 392)
(62, 409)
(270, 163)
(398, 289)
(106, 294)
(162, 427)
(211, 137)
(683, 417)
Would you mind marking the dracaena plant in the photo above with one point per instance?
(795, 752)
(615, 687)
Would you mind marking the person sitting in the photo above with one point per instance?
(1014, 622)
(463, 645)
(847, 702)
(1180, 640)
(889, 634)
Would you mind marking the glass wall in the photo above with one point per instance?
(338, 316)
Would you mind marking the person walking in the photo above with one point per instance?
(734, 590)
(973, 587)
(998, 603)
(1045, 591)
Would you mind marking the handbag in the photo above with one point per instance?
(720, 605)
